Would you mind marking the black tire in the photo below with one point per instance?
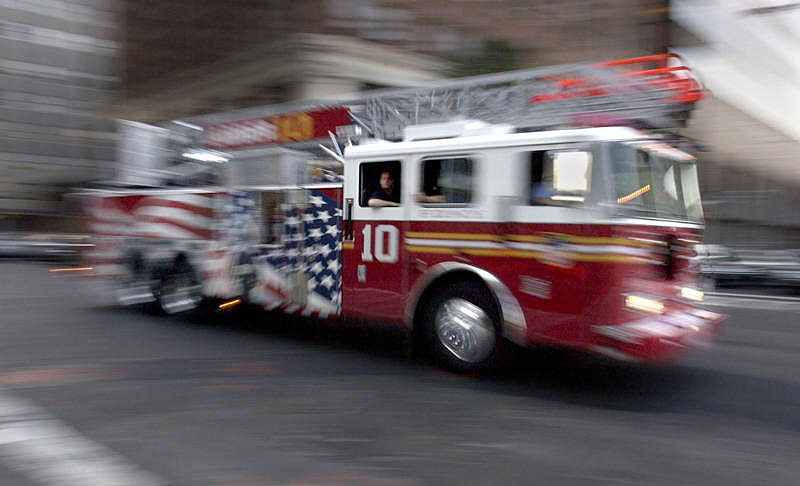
(449, 344)
(179, 290)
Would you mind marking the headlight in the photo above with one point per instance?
(692, 294)
(644, 304)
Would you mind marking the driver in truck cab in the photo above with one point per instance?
(384, 196)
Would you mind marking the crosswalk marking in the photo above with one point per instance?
(51, 453)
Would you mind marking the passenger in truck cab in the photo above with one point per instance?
(431, 194)
(384, 196)
(541, 179)
(425, 197)
(431, 190)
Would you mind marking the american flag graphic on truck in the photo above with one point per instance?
(222, 226)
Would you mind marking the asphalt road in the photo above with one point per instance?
(95, 395)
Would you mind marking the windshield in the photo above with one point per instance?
(655, 180)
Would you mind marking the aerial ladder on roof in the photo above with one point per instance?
(651, 92)
(654, 92)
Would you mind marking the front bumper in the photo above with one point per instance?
(658, 338)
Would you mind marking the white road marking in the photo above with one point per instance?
(50, 452)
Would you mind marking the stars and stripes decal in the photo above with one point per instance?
(111, 219)
(322, 222)
(239, 223)
(310, 256)
(303, 274)
(184, 216)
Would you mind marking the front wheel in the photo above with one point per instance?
(462, 326)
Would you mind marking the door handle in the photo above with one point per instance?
(348, 218)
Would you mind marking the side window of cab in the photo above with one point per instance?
(380, 184)
(559, 177)
(446, 181)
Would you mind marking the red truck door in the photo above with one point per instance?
(373, 273)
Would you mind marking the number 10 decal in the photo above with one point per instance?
(387, 239)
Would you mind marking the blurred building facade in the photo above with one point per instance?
(227, 55)
(184, 59)
(745, 52)
(58, 74)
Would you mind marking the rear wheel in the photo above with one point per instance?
(133, 286)
(462, 327)
(179, 290)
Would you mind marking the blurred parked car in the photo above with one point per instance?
(721, 266)
(42, 246)
(783, 268)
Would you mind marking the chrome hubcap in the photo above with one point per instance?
(465, 330)
(180, 293)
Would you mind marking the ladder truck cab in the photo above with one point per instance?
(580, 238)
(477, 213)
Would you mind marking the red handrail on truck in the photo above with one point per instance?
(686, 89)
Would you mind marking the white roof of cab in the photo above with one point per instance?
(380, 149)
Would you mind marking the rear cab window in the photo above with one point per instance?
(446, 180)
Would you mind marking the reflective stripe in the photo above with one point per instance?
(452, 243)
(592, 249)
(459, 236)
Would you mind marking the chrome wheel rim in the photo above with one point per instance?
(180, 293)
(465, 330)
(133, 292)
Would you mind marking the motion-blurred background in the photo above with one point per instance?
(92, 394)
(70, 69)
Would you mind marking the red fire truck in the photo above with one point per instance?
(477, 213)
